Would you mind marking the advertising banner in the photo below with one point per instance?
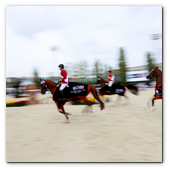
(134, 76)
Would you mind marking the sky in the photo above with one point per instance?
(79, 33)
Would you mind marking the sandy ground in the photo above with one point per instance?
(123, 133)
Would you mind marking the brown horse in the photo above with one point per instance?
(52, 87)
(158, 88)
(133, 89)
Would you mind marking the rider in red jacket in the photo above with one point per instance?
(111, 79)
(64, 80)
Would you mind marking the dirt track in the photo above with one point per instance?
(124, 133)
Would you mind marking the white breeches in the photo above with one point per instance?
(62, 86)
(110, 83)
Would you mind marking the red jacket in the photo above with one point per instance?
(64, 75)
(111, 77)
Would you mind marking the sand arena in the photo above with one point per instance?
(119, 133)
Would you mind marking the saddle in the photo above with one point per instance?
(115, 89)
(74, 91)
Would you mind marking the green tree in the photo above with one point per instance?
(122, 66)
(97, 70)
(150, 62)
(106, 69)
(36, 78)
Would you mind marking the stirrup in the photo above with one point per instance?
(63, 99)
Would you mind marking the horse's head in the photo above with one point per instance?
(43, 86)
(98, 80)
(153, 73)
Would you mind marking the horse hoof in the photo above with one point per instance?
(67, 121)
(66, 116)
(146, 109)
(153, 108)
(115, 104)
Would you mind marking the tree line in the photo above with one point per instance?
(80, 69)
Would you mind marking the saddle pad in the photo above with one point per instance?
(74, 91)
(158, 91)
(116, 89)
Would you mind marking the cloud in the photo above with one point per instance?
(80, 33)
(30, 20)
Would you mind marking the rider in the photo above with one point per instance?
(111, 79)
(64, 80)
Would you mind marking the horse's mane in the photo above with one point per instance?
(50, 81)
(160, 70)
(102, 79)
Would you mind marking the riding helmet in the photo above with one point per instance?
(61, 65)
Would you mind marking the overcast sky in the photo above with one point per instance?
(80, 33)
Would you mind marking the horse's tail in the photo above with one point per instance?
(133, 89)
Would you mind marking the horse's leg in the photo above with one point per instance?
(127, 99)
(103, 99)
(118, 99)
(84, 110)
(153, 99)
(96, 96)
(89, 103)
(147, 105)
(63, 111)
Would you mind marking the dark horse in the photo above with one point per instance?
(117, 88)
(52, 86)
(158, 88)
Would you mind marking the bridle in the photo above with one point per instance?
(152, 73)
(46, 87)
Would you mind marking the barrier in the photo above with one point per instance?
(16, 103)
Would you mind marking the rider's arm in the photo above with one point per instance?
(109, 77)
(64, 74)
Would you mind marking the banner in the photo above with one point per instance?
(135, 76)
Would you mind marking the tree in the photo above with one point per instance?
(106, 69)
(36, 78)
(122, 66)
(97, 70)
(150, 62)
(82, 68)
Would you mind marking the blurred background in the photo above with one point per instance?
(88, 40)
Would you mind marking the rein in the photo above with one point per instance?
(54, 85)
(43, 85)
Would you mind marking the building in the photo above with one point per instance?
(136, 74)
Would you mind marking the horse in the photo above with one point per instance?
(117, 88)
(52, 86)
(158, 88)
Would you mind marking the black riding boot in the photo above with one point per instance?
(63, 98)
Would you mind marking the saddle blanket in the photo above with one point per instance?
(116, 89)
(75, 91)
(158, 91)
